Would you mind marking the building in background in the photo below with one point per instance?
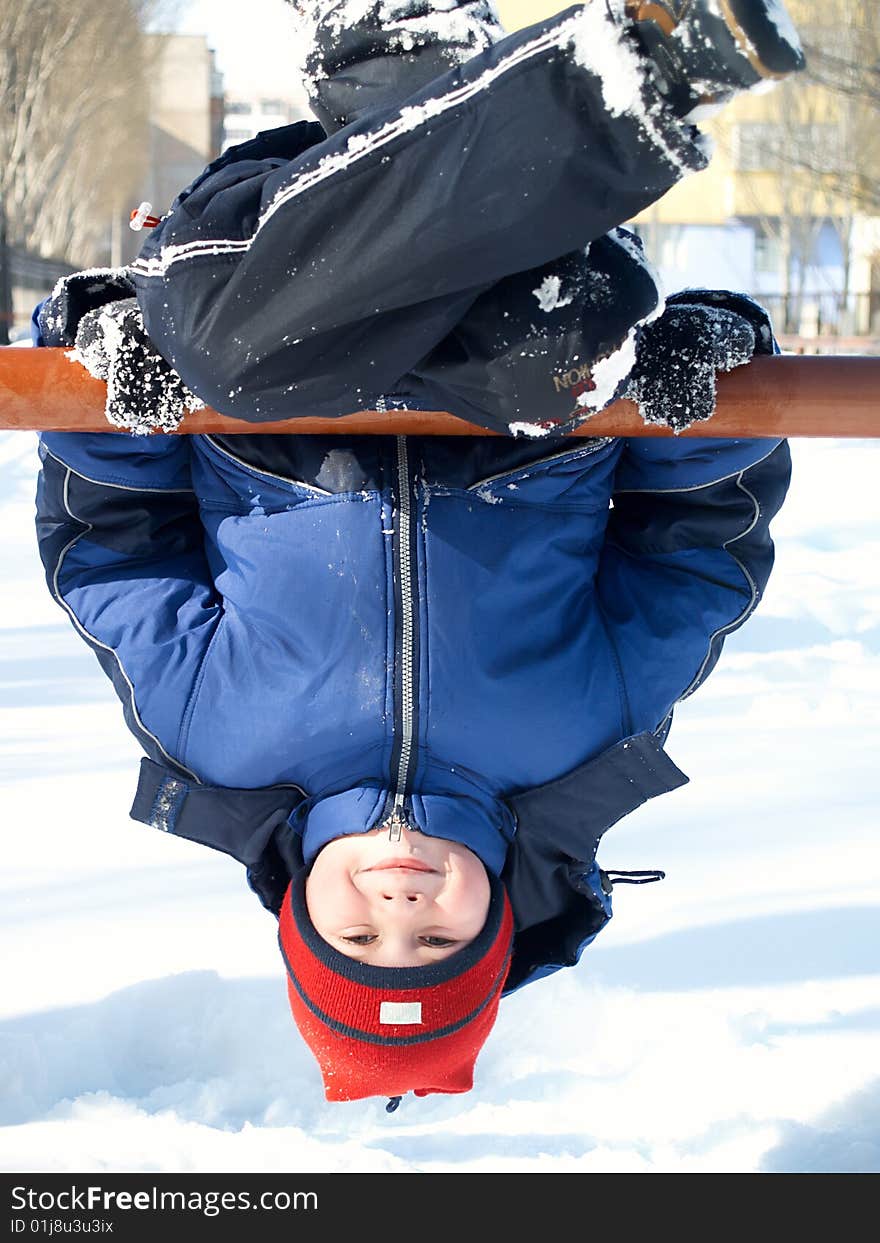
(781, 211)
(185, 127)
(248, 112)
(802, 240)
(760, 221)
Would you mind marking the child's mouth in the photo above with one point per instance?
(399, 864)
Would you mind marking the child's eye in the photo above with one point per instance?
(436, 943)
(362, 938)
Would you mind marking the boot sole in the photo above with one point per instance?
(761, 41)
(757, 37)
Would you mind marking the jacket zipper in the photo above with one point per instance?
(405, 714)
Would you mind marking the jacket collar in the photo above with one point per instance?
(574, 811)
(241, 823)
(483, 824)
(542, 842)
(567, 816)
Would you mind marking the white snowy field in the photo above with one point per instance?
(727, 1020)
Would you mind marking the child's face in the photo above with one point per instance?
(397, 904)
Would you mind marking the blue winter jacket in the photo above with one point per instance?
(488, 634)
(467, 624)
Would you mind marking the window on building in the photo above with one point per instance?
(273, 106)
(768, 252)
(237, 108)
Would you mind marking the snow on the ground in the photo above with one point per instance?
(727, 1020)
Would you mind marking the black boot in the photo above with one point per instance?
(706, 51)
(392, 51)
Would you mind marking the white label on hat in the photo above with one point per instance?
(400, 1012)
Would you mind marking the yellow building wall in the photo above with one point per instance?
(720, 192)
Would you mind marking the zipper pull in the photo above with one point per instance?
(398, 820)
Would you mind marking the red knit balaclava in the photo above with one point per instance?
(385, 1031)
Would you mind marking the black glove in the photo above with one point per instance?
(97, 313)
(144, 393)
(76, 295)
(679, 354)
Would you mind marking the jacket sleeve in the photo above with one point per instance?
(122, 545)
(307, 277)
(687, 556)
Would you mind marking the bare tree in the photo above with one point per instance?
(842, 42)
(814, 153)
(73, 123)
(844, 64)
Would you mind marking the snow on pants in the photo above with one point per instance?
(305, 275)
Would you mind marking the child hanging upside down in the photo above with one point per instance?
(410, 682)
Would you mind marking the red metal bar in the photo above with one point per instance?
(836, 396)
